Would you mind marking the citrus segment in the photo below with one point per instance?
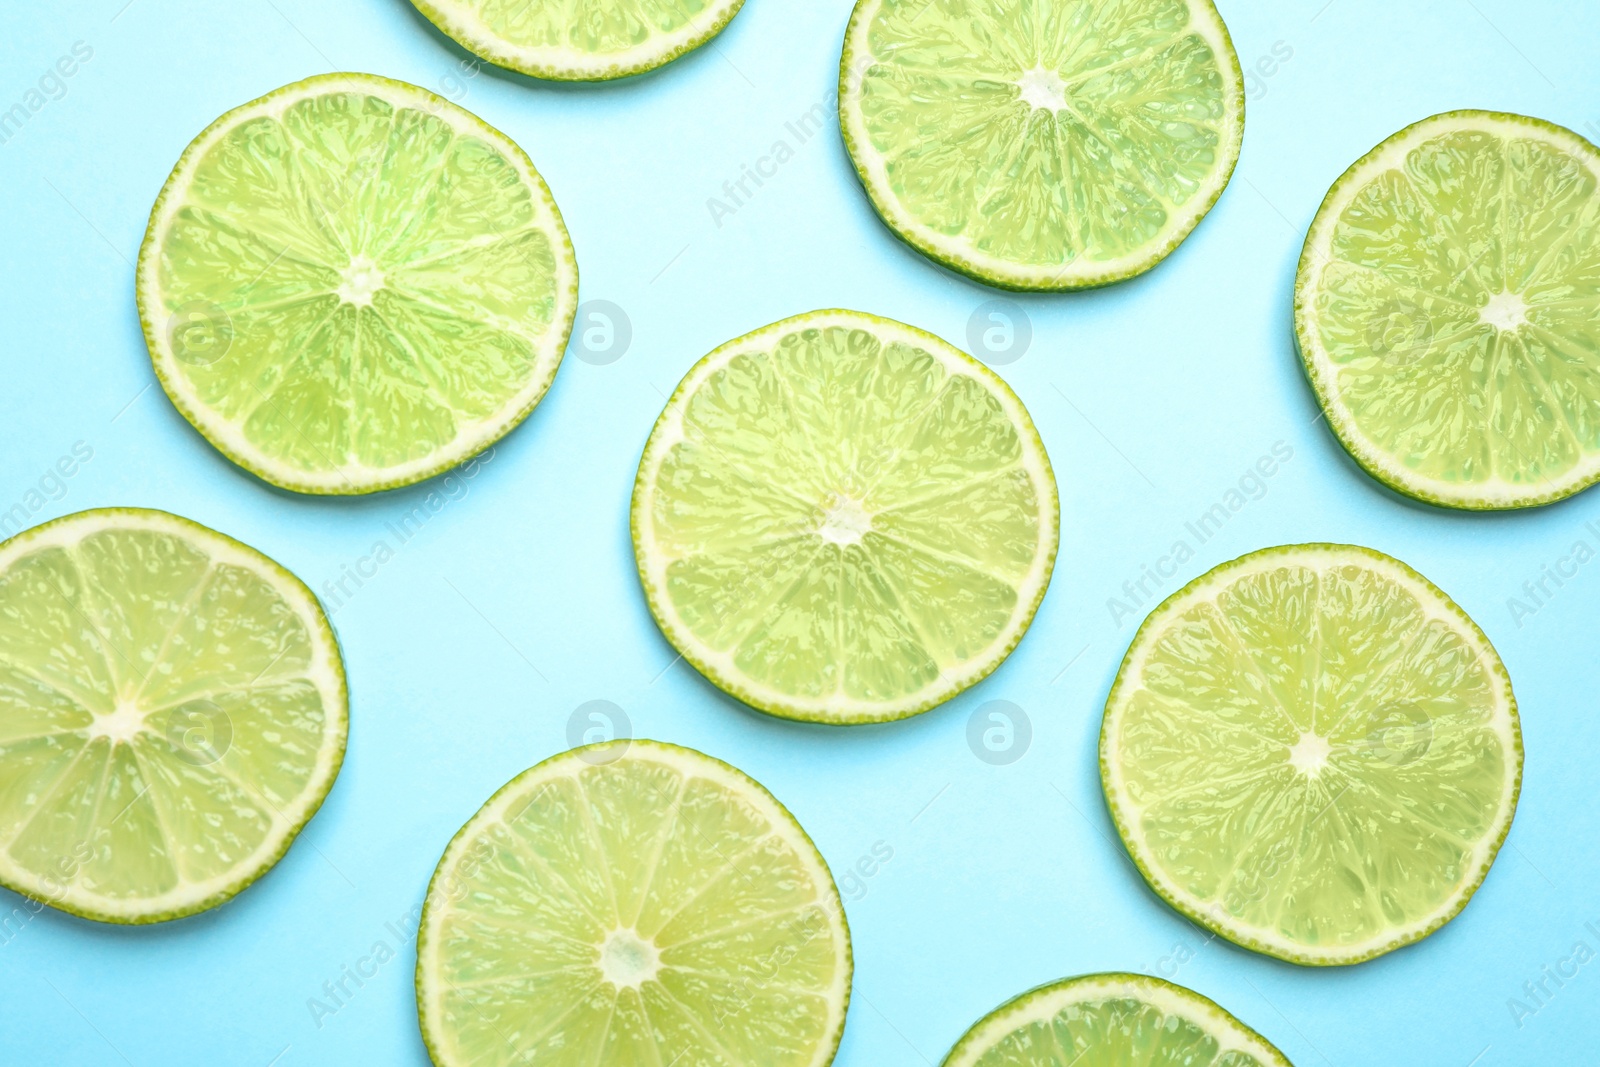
(581, 40)
(1313, 752)
(843, 519)
(1050, 145)
(633, 902)
(1447, 311)
(351, 284)
(1112, 1020)
(172, 712)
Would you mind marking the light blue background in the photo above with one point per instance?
(519, 601)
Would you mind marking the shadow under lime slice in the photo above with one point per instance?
(632, 903)
(580, 40)
(351, 284)
(172, 712)
(1057, 144)
(1447, 311)
(1313, 752)
(843, 519)
(1111, 1020)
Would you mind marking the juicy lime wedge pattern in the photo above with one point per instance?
(633, 904)
(842, 518)
(1449, 310)
(351, 284)
(580, 40)
(1045, 145)
(172, 710)
(1315, 753)
(1112, 1020)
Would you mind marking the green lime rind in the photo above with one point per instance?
(782, 705)
(1048, 1000)
(456, 22)
(310, 801)
(218, 429)
(1207, 917)
(1375, 461)
(998, 273)
(432, 908)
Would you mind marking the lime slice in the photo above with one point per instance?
(1313, 752)
(1447, 310)
(1112, 1020)
(843, 519)
(580, 40)
(632, 903)
(1052, 145)
(172, 712)
(351, 284)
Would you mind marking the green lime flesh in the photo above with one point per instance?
(1112, 1020)
(1448, 311)
(1052, 145)
(1313, 752)
(580, 40)
(842, 519)
(633, 903)
(352, 284)
(172, 711)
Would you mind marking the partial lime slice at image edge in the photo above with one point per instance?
(488, 28)
(173, 711)
(1025, 489)
(1100, 1020)
(351, 284)
(1189, 191)
(1426, 382)
(634, 901)
(1379, 752)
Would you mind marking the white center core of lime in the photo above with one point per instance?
(1310, 754)
(1505, 311)
(627, 960)
(845, 522)
(1042, 88)
(359, 281)
(124, 723)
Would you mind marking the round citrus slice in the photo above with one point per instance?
(1052, 145)
(632, 903)
(1313, 752)
(1112, 1020)
(172, 712)
(351, 284)
(1447, 310)
(843, 519)
(580, 40)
